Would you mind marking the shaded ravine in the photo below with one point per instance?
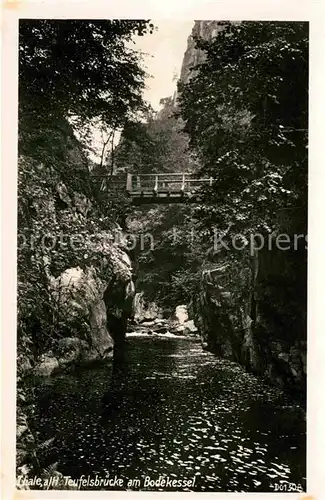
(173, 409)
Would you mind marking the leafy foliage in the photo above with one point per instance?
(245, 110)
(80, 68)
(243, 114)
(83, 71)
(77, 71)
(156, 145)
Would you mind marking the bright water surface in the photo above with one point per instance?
(178, 411)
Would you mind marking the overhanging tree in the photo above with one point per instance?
(245, 110)
(80, 69)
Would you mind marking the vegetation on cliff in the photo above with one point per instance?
(246, 113)
(73, 74)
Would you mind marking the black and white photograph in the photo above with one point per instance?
(162, 255)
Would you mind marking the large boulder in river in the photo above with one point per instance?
(190, 328)
(180, 323)
(143, 310)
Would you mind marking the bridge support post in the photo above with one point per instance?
(156, 184)
(183, 183)
(129, 182)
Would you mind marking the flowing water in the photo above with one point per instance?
(174, 411)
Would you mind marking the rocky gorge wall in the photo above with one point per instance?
(100, 303)
(254, 311)
(192, 57)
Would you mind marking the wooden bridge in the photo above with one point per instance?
(157, 188)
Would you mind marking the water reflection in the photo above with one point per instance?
(169, 408)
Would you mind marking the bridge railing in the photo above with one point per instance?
(164, 183)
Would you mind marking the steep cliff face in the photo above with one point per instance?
(254, 311)
(192, 57)
(75, 287)
(92, 308)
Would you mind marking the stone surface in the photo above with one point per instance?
(190, 328)
(249, 312)
(63, 194)
(79, 295)
(160, 321)
(161, 329)
(148, 323)
(24, 364)
(192, 57)
(81, 203)
(92, 306)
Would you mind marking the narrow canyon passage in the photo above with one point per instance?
(177, 411)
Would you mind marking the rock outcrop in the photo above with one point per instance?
(192, 57)
(95, 306)
(254, 312)
(253, 309)
(75, 287)
(84, 307)
(181, 314)
(180, 323)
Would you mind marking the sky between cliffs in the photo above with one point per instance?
(164, 51)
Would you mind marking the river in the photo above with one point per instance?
(177, 411)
